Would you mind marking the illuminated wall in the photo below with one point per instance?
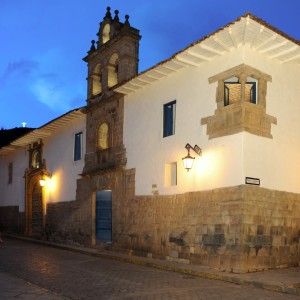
(226, 161)
(58, 152)
(276, 162)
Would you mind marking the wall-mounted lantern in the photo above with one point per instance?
(189, 160)
(44, 176)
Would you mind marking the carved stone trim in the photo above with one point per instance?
(237, 118)
(241, 116)
(239, 70)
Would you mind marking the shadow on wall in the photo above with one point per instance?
(11, 220)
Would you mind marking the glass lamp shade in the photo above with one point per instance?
(188, 162)
(42, 182)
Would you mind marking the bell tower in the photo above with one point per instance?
(113, 58)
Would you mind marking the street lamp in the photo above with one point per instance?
(189, 160)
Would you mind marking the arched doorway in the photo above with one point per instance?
(37, 210)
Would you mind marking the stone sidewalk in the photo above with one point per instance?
(280, 280)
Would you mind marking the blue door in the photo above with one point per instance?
(103, 216)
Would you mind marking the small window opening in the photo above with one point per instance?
(232, 91)
(251, 90)
(169, 119)
(78, 146)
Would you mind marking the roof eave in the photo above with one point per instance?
(201, 51)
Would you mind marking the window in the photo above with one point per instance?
(251, 90)
(103, 136)
(238, 89)
(233, 90)
(169, 118)
(171, 174)
(78, 146)
(10, 173)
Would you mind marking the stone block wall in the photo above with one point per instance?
(243, 228)
(11, 220)
(271, 229)
(64, 223)
(110, 111)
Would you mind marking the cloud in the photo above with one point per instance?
(18, 71)
(50, 93)
(56, 83)
(20, 68)
(47, 77)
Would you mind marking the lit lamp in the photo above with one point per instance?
(43, 178)
(42, 182)
(189, 160)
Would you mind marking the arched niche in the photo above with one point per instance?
(103, 136)
(106, 33)
(113, 70)
(96, 81)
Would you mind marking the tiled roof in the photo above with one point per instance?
(33, 135)
(247, 29)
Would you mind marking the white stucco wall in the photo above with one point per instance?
(147, 151)
(277, 161)
(58, 152)
(13, 194)
(225, 161)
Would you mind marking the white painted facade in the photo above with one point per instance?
(226, 161)
(13, 194)
(58, 151)
(59, 154)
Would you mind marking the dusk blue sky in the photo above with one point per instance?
(42, 74)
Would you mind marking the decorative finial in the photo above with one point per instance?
(93, 45)
(126, 19)
(108, 14)
(116, 18)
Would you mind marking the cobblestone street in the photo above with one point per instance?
(54, 273)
